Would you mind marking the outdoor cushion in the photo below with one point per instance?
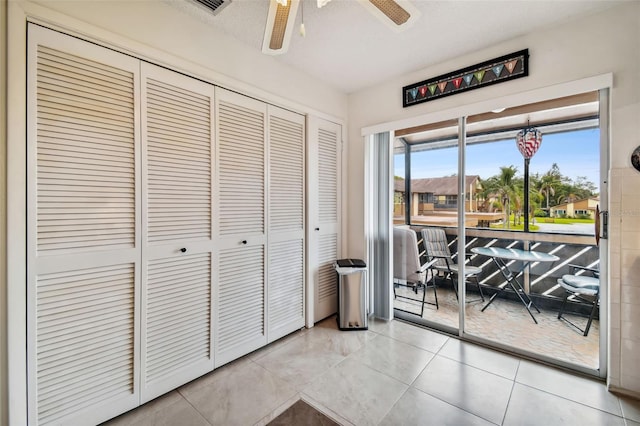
(580, 284)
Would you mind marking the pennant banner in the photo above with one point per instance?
(498, 70)
(511, 65)
(468, 78)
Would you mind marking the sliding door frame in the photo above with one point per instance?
(602, 84)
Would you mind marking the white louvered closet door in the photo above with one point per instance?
(83, 231)
(324, 213)
(239, 226)
(177, 134)
(286, 201)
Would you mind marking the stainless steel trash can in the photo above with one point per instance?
(353, 312)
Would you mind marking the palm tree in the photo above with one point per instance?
(504, 187)
(549, 182)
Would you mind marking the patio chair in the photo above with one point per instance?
(437, 249)
(577, 285)
(408, 270)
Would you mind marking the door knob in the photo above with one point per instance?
(317, 229)
(244, 241)
(184, 250)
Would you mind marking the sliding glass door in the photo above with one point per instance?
(520, 226)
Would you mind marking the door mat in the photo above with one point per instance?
(302, 413)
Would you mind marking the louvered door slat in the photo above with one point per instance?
(194, 158)
(78, 99)
(185, 336)
(63, 387)
(327, 178)
(241, 168)
(240, 297)
(286, 283)
(286, 189)
(327, 254)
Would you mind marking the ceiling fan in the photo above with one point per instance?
(397, 14)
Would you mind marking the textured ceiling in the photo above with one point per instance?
(349, 48)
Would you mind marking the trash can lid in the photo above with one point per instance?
(351, 263)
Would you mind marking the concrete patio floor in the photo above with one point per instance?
(508, 323)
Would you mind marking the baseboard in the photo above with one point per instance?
(624, 392)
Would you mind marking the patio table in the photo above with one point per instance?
(500, 256)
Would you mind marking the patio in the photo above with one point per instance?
(508, 323)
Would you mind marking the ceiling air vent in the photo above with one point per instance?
(214, 5)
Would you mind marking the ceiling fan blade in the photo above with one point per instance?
(279, 26)
(397, 14)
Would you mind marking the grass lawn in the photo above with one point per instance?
(532, 227)
(562, 220)
(513, 227)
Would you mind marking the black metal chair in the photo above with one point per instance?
(577, 286)
(437, 249)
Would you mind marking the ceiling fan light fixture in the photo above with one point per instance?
(322, 3)
(392, 10)
(282, 2)
(279, 26)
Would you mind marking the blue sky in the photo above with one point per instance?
(576, 153)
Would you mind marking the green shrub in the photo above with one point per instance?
(540, 213)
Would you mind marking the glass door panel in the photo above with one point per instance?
(563, 179)
(426, 198)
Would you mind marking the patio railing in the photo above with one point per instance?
(539, 279)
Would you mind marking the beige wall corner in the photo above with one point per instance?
(3, 212)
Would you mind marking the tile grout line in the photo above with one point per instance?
(192, 406)
(513, 386)
(571, 400)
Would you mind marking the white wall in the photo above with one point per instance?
(608, 42)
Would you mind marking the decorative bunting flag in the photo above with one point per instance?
(485, 74)
(511, 65)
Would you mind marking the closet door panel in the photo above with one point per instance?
(83, 236)
(286, 201)
(240, 261)
(324, 239)
(177, 130)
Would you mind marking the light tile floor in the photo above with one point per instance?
(393, 374)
